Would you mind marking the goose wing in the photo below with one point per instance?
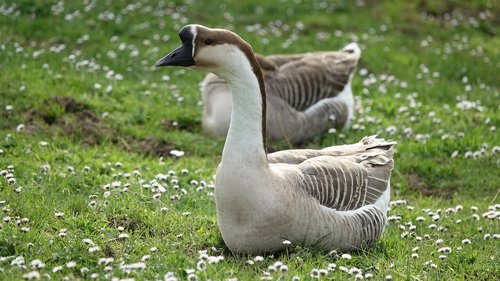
(343, 177)
(303, 81)
(297, 156)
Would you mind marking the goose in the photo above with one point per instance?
(307, 94)
(332, 198)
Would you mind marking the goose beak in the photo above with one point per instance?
(182, 56)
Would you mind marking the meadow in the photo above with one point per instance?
(105, 172)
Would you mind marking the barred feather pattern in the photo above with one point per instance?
(304, 82)
(345, 177)
(342, 185)
(344, 231)
(347, 182)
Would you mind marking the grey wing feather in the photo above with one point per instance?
(297, 156)
(344, 184)
(303, 82)
(343, 177)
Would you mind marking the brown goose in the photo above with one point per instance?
(334, 198)
(307, 94)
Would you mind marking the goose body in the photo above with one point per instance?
(307, 94)
(333, 198)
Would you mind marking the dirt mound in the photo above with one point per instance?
(416, 183)
(148, 146)
(125, 222)
(155, 147)
(70, 117)
(70, 105)
(54, 107)
(183, 124)
(66, 116)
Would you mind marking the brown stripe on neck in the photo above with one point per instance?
(247, 50)
(221, 36)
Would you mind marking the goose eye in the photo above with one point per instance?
(208, 41)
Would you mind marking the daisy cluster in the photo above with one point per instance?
(436, 232)
(175, 185)
(162, 184)
(414, 121)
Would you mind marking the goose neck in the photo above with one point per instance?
(246, 136)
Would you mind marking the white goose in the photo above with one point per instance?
(307, 94)
(334, 198)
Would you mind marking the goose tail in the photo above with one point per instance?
(375, 142)
(352, 48)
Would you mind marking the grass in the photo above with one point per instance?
(87, 126)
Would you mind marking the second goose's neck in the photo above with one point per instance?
(245, 142)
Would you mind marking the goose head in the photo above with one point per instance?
(226, 55)
(219, 51)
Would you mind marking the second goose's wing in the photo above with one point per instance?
(315, 76)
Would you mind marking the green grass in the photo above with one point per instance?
(423, 60)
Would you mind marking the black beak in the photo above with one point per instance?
(182, 56)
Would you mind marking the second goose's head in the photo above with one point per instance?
(215, 50)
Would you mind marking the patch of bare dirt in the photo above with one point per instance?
(70, 117)
(182, 124)
(416, 183)
(125, 222)
(109, 252)
(65, 115)
(149, 146)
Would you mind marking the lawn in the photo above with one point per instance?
(105, 172)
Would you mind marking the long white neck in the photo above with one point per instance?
(245, 139)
